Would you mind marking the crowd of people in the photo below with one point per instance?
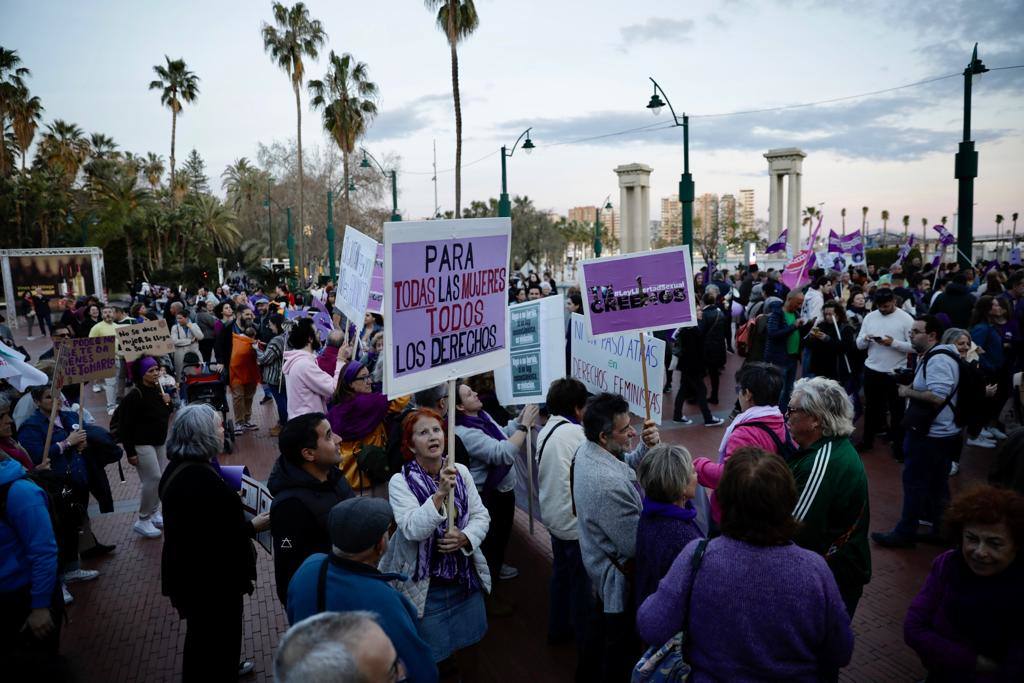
(390, 557)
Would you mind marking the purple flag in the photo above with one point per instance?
(319, 305)
(946, 238)
(991, 264)
(777, 245)
(905, 249)
(835, 242)
(937, 260)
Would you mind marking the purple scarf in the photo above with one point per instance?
(449, 566)
(653, 508)
(486, 424)
(357, 416)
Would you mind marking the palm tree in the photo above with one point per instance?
(12, 84)
(810, 213)
(240, 181)
(885, 225)
(103, 146)
(214, 223)
(64, 148)
(842, 213)
(864, 224)
(999, 222)
(153, 169)
(906, 226)
(457, 19)
(26, 113)
(118, 197)
(347, 98)
(924, 236)
(296, 36)
(177, 85)
(1014, 238)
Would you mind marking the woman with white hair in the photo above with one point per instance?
(832, 507)
(208, 558)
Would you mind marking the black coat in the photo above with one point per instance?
(714, 327)
(208, 556)
(142, 418)
(829, 352)
(298, 517)
(689, 347)
(956, 302)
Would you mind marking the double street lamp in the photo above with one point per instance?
(686, 190)
(597, 224)
(504, 205)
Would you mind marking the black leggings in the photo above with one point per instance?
(502, 508)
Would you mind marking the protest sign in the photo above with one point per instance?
(88, 359)
(358, 253)
(616, 300)
(18, 373)
(445, 300)
(612, 363)
(536, 351)
(144, 339)
(376, 301)
(256, 500)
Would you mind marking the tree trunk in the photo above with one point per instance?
(44, 233)
(348, 200)
(298, 128)
(174, 132)
(131, 258)
(458, 124)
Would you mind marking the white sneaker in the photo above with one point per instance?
(68, 597)
(508, 572)
(30, 338)
(981, 442)
(96, 388)
(993, 434)
(145, 527)
(110, 411)
(77, 575)
(157, 519)
(716, 422)
(954, 468)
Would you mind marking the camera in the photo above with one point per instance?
(903, 376)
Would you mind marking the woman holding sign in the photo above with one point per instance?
(447, 571)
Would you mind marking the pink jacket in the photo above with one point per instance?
(309, 380)
(710, 473)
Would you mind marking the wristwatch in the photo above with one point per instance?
(522, 428)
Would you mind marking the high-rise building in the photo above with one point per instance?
(705, 211)
(610, 226)
(746, 210)
(582, 214)
(671, 220)
(727, 215)
(655, 230)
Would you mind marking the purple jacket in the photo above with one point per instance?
(757, 613)
(663, 532)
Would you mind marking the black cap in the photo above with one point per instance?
(358, 523)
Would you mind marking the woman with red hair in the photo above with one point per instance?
(965, 624)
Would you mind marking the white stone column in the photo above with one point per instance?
(793, 212)
(774, 207)
(634, 204)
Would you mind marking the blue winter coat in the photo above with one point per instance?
(32, 436)
(28, 549)
(777, 334)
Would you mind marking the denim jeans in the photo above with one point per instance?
(925, 480)
(569, 604)
(280, 400)
(789, 378)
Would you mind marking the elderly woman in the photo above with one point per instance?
(185, 336)
(755, 605)
(205, 527)
(977, 435)
(447, 571)
(833, 508)
(668, 518)
(965, 623)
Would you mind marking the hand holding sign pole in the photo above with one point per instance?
(643, 357)
(449, 461)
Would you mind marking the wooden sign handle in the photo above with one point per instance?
(643, 360)
(450, 460)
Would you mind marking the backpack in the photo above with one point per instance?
(970, 389)
(787, 450)
(743, 337)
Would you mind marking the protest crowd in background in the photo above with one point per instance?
(652, 544)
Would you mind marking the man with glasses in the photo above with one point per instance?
(347, 580)
(933, 437)
(607, 502)
(106, 327)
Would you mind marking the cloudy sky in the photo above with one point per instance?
(573, 71)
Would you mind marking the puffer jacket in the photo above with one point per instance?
(778, 332)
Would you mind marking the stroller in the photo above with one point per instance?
(202, 386)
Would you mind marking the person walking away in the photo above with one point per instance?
(185, 336)
(270, 358)
(714, 327)
(208, 326)
(41, 307)
(689, 349)
(306, 483)
(955, 301)
(782, 343)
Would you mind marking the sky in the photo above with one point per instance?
(575, 71)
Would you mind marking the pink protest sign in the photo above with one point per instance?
(376, 300)
(445, 300)
(615, 302)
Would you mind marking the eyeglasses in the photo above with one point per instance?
(792, 410)
(361, 378)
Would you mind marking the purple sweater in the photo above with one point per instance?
(663, 532)
(757, 613)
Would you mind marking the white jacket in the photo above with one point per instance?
(415, 524)
(553, 472)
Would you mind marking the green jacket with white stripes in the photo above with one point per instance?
(832, 508)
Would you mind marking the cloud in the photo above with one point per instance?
(656, 29)
(409, 118)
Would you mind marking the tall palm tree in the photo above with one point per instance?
(215, 224)
(103, 146)
(810, 213)
(26, 112)
(12, 83)
(864, 224)
(153, 169)
(999, 222)
(906, 226)
(241, 182)
(456, 19)
(885, 225)
(177, 85)
(924, 236)
(118, 197)
(842, 213)
(347, 98)
(295, 37)
(64, 148)
(1014, 238)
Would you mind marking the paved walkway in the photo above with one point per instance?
(122, 629)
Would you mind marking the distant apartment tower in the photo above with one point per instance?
(671, 220)
(655, 230)
(746, 210)
(610, 225)
(727, 215)
(705, 211)
(582, 214)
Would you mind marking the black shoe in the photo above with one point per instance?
(245, 668)
(683, 420)
(892, 540)
(98, 550)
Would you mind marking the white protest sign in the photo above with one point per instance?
(256, 500)
(144, 339)
(358, 253)
(445, 300)
(536, 351)
(612, 363)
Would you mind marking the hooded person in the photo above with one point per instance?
(309, 379)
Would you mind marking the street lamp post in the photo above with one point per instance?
(686, 188)
(365, 163)
(504, 205)
(966, 168)
(270, 221)
(597, 225)
(291, 246)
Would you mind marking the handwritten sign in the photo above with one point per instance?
(358, 253)
(144, 339)
(88, 359)
(376, 301)
(614, 301)
(612, 363)
(536, 351)
(445, 301)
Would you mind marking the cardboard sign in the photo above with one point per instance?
(536, 351)
(614, 302)
(358, 254)
(256, 499)
(376, 301)
(445, 301)
(88, 359)
(612, 364)
(144, 339)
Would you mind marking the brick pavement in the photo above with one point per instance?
(121, 629)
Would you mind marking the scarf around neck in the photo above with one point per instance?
(449, 566)
(653, 508)
(751, 414)
(486, 424)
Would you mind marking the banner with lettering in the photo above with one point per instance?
(536, 351)
(650, 290)
(87, 359)
(445, 300)
(358, 254)
(612, 363)
(144, 339)
(376, 300)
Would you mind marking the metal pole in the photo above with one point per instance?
(395, 216)
(330, 234)
(291, 246)
(504, 206)
(270, 224)
(597, 232)
(966, 168)
(686, 188)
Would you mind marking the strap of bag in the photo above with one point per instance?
(924, 373)
(540, 451)
(770, 432)
(321, 586)
(698, 558)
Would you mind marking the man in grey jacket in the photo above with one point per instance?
(608, 503)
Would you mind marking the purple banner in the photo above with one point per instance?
(616, 302)
(946, 238)
(795, 274)
(845, 244)
(905, 249)
(376, 300)
(777, 245)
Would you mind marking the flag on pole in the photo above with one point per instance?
(946, 238)
(904, 250)
(937, 260)
(795, 273)
(777, 245)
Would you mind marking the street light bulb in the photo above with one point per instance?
(655, 104)
(528, 145)
(364, 163)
